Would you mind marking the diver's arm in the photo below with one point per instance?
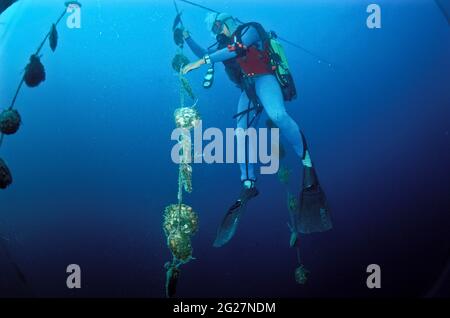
(195, 48)
(249, 38)
(192, 66)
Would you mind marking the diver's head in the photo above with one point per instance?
(221, 23)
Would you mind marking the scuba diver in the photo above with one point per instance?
(257, 65)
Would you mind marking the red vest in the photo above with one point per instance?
(253, 61)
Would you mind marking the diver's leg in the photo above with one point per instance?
(313, 214)
(248, 168)
(229, 224)
(269, 92)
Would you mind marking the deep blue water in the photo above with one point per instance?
(92, 168)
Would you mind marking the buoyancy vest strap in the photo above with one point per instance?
(250, 90)
(258, 109)
(212, 45)
(261, 32)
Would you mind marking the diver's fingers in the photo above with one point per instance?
(187, 69)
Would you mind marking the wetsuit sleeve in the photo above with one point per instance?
(199, 51)
(249, 37)
(195, 48)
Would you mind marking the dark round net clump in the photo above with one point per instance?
(5, 175)
(179, 61)
(9, 121)
(178, 37)
(34, 72)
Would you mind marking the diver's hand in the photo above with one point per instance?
(186, 34)
(192, 66)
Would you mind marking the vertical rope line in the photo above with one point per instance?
(16, 94)
(19, 87)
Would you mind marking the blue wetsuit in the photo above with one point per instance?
(269, 93)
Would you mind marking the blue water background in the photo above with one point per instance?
(93, 173)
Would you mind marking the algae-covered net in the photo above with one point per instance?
(180, 246)
(284, 174)
(186, 177)
(186, 117)
(301, 275)
(180, 221)
(181, 218)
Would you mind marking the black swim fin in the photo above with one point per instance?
(230, 222)
(314, 215)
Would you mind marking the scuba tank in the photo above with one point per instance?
(280, 63)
